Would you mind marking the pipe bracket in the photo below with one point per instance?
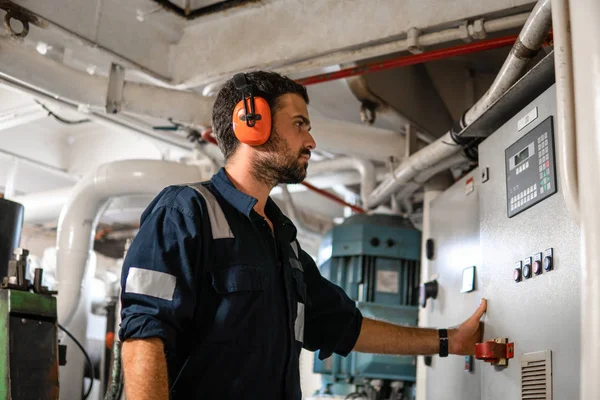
(116, 83)
(412, 39)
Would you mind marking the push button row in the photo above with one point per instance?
(533, 265)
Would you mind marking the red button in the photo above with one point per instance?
(517, 275)
(547, 163)
(537, 267)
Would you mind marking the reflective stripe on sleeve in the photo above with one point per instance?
(150, 283)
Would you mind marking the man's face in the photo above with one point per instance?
(284, 158)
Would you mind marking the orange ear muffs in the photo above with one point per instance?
(251, 115)
(252, 132)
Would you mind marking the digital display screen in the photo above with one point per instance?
(522, 156)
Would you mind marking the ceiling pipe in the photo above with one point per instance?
(42, 207)
(101, 118)
(474, 30)
(20, 63)
(478, 29)
(530, 41)
(422, 178)
(404, 61)
(21, 116)
(349, 139)
(63, 173)
(88, 200)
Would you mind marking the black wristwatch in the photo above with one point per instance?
(443, 333)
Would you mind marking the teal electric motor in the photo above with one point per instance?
(376, 260)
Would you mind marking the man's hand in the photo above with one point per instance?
(462, 341)
(380, 337)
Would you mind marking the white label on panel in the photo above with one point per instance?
(388, 282)
(527, 119)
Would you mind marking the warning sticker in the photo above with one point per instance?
(388, 282)
(469, 185)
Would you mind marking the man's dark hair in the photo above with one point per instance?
(269, 85)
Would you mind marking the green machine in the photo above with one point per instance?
(29, 350)
(376, 260)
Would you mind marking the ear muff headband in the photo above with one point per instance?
(251, 115)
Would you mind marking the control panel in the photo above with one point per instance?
(530, 169)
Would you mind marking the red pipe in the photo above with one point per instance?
(208, 136)
(333, 198)
(412, 59)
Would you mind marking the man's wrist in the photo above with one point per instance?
(452, 341)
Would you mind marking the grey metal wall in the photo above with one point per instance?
(541, 313)
(455, 231)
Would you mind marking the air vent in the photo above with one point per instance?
(536, 376)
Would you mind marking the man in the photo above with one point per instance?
(218, 297)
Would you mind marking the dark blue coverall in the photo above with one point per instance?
(233, 301)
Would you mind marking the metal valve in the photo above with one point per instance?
(496, 352)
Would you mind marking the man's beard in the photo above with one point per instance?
(277, 163)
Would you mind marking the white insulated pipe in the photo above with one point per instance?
(585, 25)
(426, 175)
(62, 82)
(530, 40)
(422, 160)
(41, 207)
(366, 170)
(87, 201)
(350, 138)
(566, 134)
